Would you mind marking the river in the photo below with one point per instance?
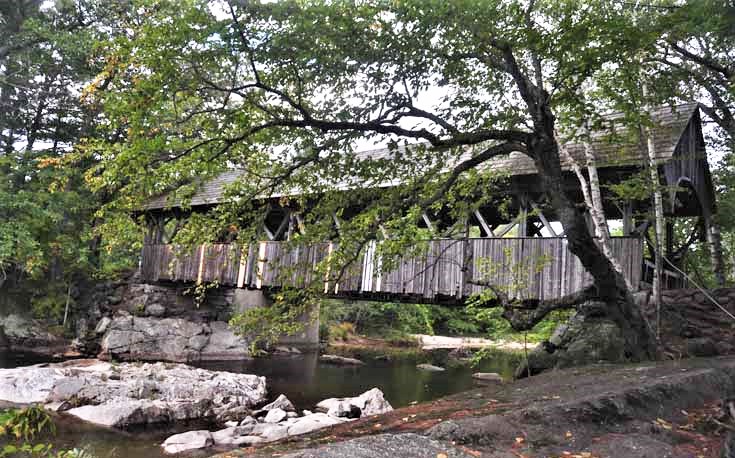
(301, 378)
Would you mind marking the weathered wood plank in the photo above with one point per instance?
(524, 267)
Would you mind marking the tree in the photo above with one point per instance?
(696, 48)
(285, 90)
(48, 242)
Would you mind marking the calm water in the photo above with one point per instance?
(301, 378)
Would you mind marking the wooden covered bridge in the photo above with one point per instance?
(527, 254)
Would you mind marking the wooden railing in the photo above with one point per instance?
(541, 268)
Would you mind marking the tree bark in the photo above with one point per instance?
(660, 227)
(714, 241)
(610, 284)
(593, 200)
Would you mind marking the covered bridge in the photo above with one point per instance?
(526, 253)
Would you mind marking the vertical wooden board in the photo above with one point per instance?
(427, 274)
(271, 273)
(147, 263)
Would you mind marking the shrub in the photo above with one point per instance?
(400, 339)
(341, 331)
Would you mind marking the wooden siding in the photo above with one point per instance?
(542, 268)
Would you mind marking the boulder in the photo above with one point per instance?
(155, 309)
(225, 436)
(587, 338)
(248, 421)
(344, 409)
(20, 333)
(246, 440)
(102, 325)
(275, 415)
(312, 422)
(371, 402)
(191, 440)
(127, 394)
(270, 432)
(122, 414)
(129, 337)
(282, 403)
(488, 377)
(430, 368)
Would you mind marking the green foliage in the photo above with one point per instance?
(25, 423)
(340, 331)
(49, 224)
(402, 340)
(397, 321)
(287, 315)
(23, 426)
(51, 302)
(511, 358)
(379, 318)
(199, 291)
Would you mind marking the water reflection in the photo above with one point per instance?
(305, 381)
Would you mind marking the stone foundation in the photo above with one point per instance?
(163, 322)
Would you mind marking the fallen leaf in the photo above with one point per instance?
(441, 455)
(568, 434)
(519, 440)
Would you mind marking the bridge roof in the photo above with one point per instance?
(613, 147)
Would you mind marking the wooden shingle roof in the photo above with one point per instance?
(612, 147)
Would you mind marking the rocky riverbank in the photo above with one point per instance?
(19, 333)
(131, 394)
(668, 409)
(129, 337)
(279, 420)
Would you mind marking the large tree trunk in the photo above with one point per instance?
(610, 284)
(593, 200)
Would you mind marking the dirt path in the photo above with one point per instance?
(651, 410)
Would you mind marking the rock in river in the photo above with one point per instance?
(121, 395)
(278, 424)
(275, 415)
(282, 403)
(191, 440)
(340, 360)
(370, 402)
(429, 368)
